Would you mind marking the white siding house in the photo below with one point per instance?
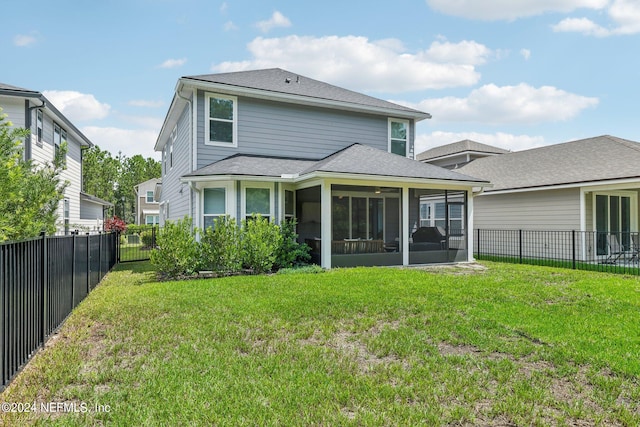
(49, 128)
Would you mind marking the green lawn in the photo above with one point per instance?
(505, 345)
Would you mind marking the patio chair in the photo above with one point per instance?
(635, 248)
(616, 250)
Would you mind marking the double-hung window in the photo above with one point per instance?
(59, 139)
(258, 202)
(150, 197)
(399, 137)
(214, 205)
(221, 112)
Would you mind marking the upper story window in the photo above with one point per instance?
(399, 137)
(221, 114)
(172, 139)
(59, 138)
(39, 124)
(150, 197)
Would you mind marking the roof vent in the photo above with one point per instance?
(287, 80)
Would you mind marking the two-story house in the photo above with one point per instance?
(49, 130)
(147, 211)
(275, 143)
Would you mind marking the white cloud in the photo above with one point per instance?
(77, 106)
(173, 63)
(23, 40)
(361, 64)
(224, 7)
(520, 104)
(229, 26)
(526, 54)
(499, 139)
(491, 10)
(277, 20)
(128, 141)
(624, 14)
(146, 103)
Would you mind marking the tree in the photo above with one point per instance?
(113, 179)
(100, 173)
(29, 194)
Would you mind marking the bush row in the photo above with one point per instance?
(258, 246)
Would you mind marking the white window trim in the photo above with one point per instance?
(155, 217)
(207, 118)
(146, 199)
(634, 206)
(172, 138)
(230, 199)
(283, 214)
(407, 148)
(256, 184)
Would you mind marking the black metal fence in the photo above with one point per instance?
(41, 281)
(615, 252)
(137, 246)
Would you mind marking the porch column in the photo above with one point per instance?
(405, 226)
(325, 221)
(469, 227)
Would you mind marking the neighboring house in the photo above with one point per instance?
(147, 205)
(283, 145)
(458, 154)
(49, 129)
(589, 185)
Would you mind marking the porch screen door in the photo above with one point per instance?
(613, 216)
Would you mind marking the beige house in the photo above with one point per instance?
(147, 205)
(591, 186)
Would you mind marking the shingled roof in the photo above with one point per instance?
(357, 159)
(463, 146)
(279, 81)
(600, 158)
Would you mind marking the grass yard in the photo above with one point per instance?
(505, 345)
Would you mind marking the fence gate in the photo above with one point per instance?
(137, 246)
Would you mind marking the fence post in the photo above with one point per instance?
(478, 243)
(73, 268)
(118, 249)
(88, 263)
(573, 248)
(520, 245)
(43, 289)
(100, 254)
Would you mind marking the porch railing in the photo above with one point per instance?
(616, 252)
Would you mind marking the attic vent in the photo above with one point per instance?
(287, 80)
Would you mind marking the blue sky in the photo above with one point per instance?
(512, 73)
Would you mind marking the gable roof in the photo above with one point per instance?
(459, 147)
(277, 81)
(9, 90)
(357, 159)
(590, 160)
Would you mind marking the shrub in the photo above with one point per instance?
(291, 253)
(115, 224)
(147, 238)
(220, 247)
(176, 252)
(261, 240)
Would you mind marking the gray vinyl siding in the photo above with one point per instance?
(171, 185)
(533, 210)
(288, 130)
